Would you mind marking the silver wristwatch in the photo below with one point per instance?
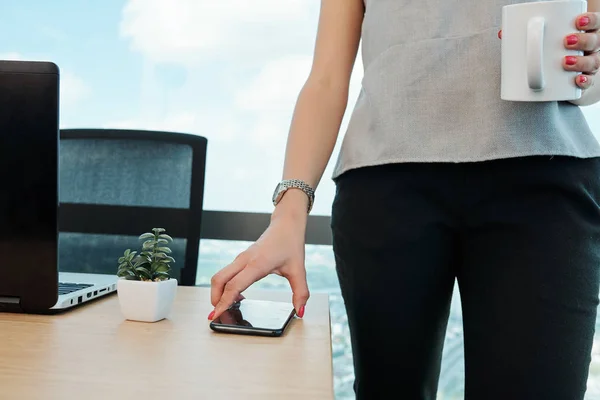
(287, 184)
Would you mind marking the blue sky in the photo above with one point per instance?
(229, 70)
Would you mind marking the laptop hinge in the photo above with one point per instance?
(8, 304)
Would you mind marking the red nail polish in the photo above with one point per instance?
(571, 60)
(583, 79)
(301, 312)
(572, 39)
(584, 21)
(211, 315)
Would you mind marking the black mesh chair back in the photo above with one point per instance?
(118, 184)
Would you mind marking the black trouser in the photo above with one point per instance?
(521, 236)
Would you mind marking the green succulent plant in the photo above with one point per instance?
(152, 262)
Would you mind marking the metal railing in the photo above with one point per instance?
(244, 226)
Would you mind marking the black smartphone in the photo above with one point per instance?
(255, 317)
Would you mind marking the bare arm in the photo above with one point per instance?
(323, 99)
(313, 133)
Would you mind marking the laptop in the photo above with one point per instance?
(29, 147)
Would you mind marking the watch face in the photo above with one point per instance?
(276, 194)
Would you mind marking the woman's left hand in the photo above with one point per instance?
(588, 42)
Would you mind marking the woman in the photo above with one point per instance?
(439, 179)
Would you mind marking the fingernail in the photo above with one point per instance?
(572, 39)
(571, 60)
(301, 312)
(583, 79)
(211, 315)
(584, 21)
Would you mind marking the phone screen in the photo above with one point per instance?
(258, 314)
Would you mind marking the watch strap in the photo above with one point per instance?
(287, 184)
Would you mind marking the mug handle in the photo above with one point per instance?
(535, 53)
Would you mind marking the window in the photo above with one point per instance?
(229, 70)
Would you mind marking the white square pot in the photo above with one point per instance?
(146, 301)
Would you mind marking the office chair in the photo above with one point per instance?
(118, 184)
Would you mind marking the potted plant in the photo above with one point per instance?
(145, 289)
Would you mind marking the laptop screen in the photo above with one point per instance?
(29, 138)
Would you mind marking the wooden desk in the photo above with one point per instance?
(93, 353)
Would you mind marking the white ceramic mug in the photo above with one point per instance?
(533, 50)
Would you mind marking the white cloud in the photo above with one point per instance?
(12, 56)
(213, 126)
(189, 31)
(275, 37)
(270, 98)
(277, 86)
(73, 89)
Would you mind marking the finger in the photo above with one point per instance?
(220, 279)
(584, 81)
(589, 64)
(583, 41)
(300, 293)
(588, 21)
(235, 286)
(500, 34)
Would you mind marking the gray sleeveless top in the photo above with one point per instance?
(431, 92)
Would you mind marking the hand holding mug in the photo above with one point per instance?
(589, 43)
(541, 34)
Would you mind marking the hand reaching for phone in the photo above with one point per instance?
(280, 250)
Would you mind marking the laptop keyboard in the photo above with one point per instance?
(66, 288)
